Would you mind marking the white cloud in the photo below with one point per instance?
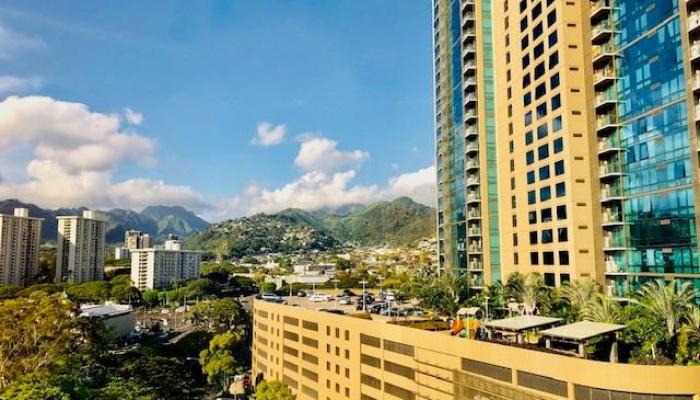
(132, 117)
(322, 155)
(419, 185)
(268, 134)
(12, 42)
(70, 135)
(14, 84)
(75, 154)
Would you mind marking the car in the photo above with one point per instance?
(319, 297)
(377, 309)
(271, 297)
(414, 311)
(348, 292)
(345, 300)
(390, 296)
(301, 293)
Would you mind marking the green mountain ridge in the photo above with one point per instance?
(400, 222)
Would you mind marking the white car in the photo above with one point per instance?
(271, 297)
(319, 297)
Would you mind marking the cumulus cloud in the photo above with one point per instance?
(12, 42)
(70, 134)
(322, 155)
(132, 117)
(268, 134)
(14, 84)
(76, 152)
(418, 185)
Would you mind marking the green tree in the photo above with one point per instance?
(514, 287)
(151, 297)
(9, 291)
(89, 292)
(580, 295)
(667, 302)
(273, 390)
(162, 377)
(123, 389)
(268, 287)
(602, 309)
(218, 362)
(35, 333)
(45, 387)
(225, 314)
(535, 295)
(200, 288)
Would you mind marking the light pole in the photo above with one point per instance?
(364, 297)
(486, 300)
(335, 282)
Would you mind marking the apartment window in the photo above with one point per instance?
(539, 70)
(537, 31)
(558, 145)
(528, 138)
(549, 279)
(538, 51)
(536, 11)
(526, 60)
(515, 258)
(556, 124)
(512, 202)
(515, 239)
(523, 5)
(532, 217)
(508, 62)
(534, 258)
(564, 278)
(515, 221)
(530, 157)
(552, 17)
(546, 215)
(560, 189)
(548, 258)
(552, 39)
(547, 236)
(531, 197)
(528, 118)
(543, 152)
(527, 99)
(542, 131)
(526, 80)
(554, 81)
(545, 193)
(512, 165)
(544, 172)
(523, 26)
(531, 177)
(561, 212)
(564, 258)
(533, 237)
(562, 235)
(540, 90)
(553, 59)
(556, 102)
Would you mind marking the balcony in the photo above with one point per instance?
(470, 117)
(612, 218)
(695, 83)
(467, 5)
(473, 180)
(474, 198)
(602, 32)
(609, 146)
(470, 100)
(472, 165)
(610, 170)
(474, 231)
(472, 146)
(474, 215)
(470, 132)
(695, 51)
(470, 49)
(469, 83)
(693, 22)
(606, 123)
(476, 266)
(611, 193)
(600, 10)
(468, 34)
(613, 242)
(603, 54)
(474, 246)
(470, 66)
(697, 113)
(605, 100)
(604, 77)
(469, 16)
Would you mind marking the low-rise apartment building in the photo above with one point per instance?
(321, 355)
(158, 268)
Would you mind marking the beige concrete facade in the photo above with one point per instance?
(550, 65)
(159, 268)
(80, 248)
(20, 237)
(327, 356)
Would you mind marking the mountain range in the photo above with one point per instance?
(157, 221)
(396, 223)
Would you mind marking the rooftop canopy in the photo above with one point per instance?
(521, 323)
(582, 331)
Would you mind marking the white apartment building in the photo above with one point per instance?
(80, 248)
(20, 237)
(122, 253)
(134, 240)
(159, 268)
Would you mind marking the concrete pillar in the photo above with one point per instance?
(548, 343)
(582, 350)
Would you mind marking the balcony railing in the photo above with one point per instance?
(609, 168)
(693, 21)
(608, 144)
(695, 50)
(609, 192)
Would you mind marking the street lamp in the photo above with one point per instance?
(486, 300)
(335, 282)
(364, 297)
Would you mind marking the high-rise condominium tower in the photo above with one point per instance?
(566, 139)
(81, 248)
(20, 236)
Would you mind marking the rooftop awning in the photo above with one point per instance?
(522, 323)
(582, 331)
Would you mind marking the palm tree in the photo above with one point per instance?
(514, 287)
(666, 303)
(692, 325)
(580, 295)
(602, 309)
(535, 294)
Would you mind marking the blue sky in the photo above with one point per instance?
(342, 88)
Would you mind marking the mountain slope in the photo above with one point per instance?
(397, 223)
(158, 222)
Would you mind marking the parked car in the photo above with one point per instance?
(345, 300)
(414, 311)
(377, 308)
(271, 297)
(319, 297)
(348, 292)
(301, 293)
